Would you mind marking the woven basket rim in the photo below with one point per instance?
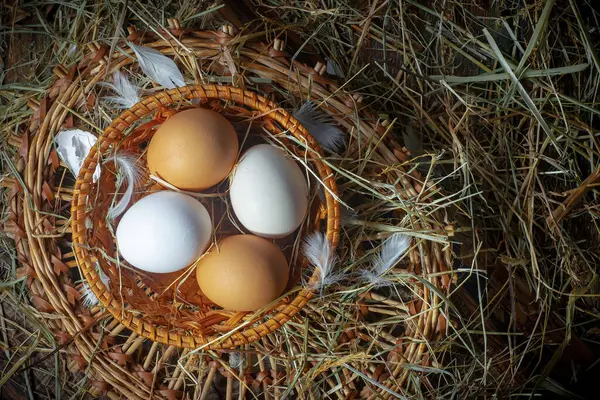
(149, 105)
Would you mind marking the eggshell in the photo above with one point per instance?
(269, 193)
(243, 273)
(164, 232)
(194, 149)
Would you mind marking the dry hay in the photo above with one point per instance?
(504, 122)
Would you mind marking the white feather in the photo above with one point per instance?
(73, 146)
(128, 94)
(160, 68)
(348, 216)
(333, 68)
(391, 252)
(88, 298)
(319, 252)
(128, 174)
(320, 126)
(236, 360)
(103, 277)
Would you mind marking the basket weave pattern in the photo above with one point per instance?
(81, 211)
(40, 238)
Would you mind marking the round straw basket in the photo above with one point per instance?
(120, 362)
(212, 328)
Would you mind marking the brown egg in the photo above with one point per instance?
(243, 273)
(193, 150)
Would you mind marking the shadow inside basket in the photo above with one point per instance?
(174, 300)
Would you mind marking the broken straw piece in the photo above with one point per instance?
(73, 146)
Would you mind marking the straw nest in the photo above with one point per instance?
(355, 338)
(496, 102)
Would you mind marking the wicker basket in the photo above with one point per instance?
(132, 366)
(211, 329)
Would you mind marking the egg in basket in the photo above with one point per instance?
(190, 234)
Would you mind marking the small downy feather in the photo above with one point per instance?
(391, 252)
(320, 126)
(128, 94)
(127, 174)
(88, 298)
(237, 360)
(348, 216)
(73, 146)
(160, 68)
(317, 249)
(333, 68)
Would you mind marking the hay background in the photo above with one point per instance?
(537, 323)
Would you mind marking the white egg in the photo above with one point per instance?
(269, 193)
(164, 232)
